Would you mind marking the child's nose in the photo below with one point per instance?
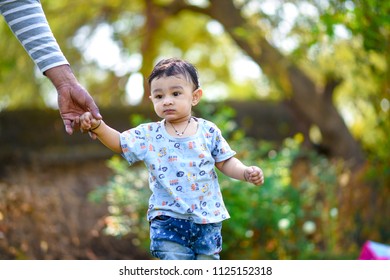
(168, 101)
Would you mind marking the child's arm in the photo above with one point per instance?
(234, 168)
(107, 135)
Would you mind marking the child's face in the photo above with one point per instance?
(173, 97)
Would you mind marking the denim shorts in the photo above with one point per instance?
(179, 239)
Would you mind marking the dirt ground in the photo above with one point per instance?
(45, 214)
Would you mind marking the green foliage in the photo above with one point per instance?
(220, 114)
(127, 194)
(369, 19)
(292, 216)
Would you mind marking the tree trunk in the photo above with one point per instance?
(313, 103)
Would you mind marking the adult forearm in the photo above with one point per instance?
(28, 22)
(61, 76)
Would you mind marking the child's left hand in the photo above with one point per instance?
(254, 175)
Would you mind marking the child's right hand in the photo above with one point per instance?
(86, 120)
(87, 123)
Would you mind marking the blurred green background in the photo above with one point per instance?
(300, 88)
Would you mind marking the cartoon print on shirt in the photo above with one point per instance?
(192, 209)
(181, 168)
(162, 152)
(194, 187)
(163, 169)
(202, 204)
(191, 176)
(203, 162)
(205, 188)
(159, 138)
(191, 145)
(172, 158)
(173, 182)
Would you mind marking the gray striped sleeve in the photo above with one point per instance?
(28, 22)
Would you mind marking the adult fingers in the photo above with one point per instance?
(68, 126)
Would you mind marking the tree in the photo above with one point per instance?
(314, 103)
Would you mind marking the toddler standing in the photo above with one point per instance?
(186, 208)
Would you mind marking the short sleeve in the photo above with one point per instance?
(133, 145)
(221, 150)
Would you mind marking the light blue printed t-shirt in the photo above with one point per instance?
(182, 173)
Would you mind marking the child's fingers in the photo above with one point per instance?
(85, 122)
(89, 116)
(256, 175)
(258, 181)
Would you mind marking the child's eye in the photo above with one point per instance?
(176, 93)
(158, 96)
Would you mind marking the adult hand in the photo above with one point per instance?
(73, 99)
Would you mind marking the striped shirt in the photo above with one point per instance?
(28, 22)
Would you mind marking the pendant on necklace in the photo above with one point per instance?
(182, 133)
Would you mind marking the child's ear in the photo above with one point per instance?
(196, 96)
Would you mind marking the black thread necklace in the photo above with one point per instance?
(184, 130)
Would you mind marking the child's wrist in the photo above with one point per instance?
(245, 177)
(96, 127)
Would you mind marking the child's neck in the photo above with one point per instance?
(183, 128)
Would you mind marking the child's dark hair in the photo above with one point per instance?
(172, 67)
